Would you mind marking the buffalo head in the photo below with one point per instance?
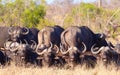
(73, 53)
(48, 54)
(107, 54)
(15, 46)
(16, 32)
(100, 40)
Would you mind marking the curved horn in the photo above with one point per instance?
(10, 30)
(20, 42)
(7, 45)
(37, 47)
(26, 31)
(50, 48)
(85, 48)
(40, 53)
(103, 36)
(25, 41)
(34, 45)
(42, 47)
(93, 49)
(14, 49)
(110, 45)
(57, 48)
(64, 52)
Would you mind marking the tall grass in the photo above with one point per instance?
(98, 70)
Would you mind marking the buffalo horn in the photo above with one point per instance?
(14, 49)
(34, 44)
(26, 42)
(50, 48)
(85, 48)
(26, 31)
(40, 53)
(57, 48)
(37, 47)
(103, 35)
(7, 45)
(110, 45)
(42, 47)
(95, 50)
(64, 52)
(10, 30)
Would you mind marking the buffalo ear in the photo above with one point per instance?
(101, 35)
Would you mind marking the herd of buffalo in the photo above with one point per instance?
(56, 46)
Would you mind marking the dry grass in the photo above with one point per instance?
(99, 70)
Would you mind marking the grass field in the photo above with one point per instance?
(99, 70)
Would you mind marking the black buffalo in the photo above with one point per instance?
(76, 40)
(24, 54)
(28, 55)
(18, 34)
(107, 54)
(48, 43)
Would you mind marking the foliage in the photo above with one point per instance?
(69, 21)
(86, 8)
(31, 16)
(98, 19)
(20, 12)
(44, 22)
(33, 13)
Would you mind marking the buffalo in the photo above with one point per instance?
(76, 40)
(22, 54)
(107, 54)
(48, 44)
(18, 34)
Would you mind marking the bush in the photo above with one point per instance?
(31, 16)
(44, 22)
(86, 8)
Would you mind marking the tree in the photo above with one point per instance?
(21, 13)
(31, 16)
